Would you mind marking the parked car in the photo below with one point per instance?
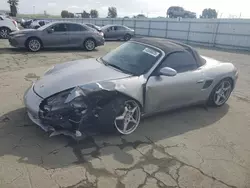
(57, 34)
(176, 11)
(141, 77)
(117, 32)
(38, 23)
(97, 28)
(7, 25)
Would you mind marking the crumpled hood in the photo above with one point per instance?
(23, 31)
(75, 73)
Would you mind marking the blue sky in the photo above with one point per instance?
(132, 7)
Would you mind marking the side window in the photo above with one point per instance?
(120, 28)
(75, 27)
(180, 61)
(59, 28)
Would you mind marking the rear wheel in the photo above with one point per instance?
(89, 44)
(4, 32)
(221, 93)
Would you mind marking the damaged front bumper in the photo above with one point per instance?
(32, 102)
(68, 112)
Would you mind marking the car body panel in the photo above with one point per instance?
(85, 71)
(55, 39)
(111, 34)
(92, 78)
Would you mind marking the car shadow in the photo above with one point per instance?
(20, 138)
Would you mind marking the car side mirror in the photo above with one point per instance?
(50, 30)
(167, 71)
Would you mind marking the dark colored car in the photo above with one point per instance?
(176, 11)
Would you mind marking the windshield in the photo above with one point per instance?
(132, 58)
(45, 26)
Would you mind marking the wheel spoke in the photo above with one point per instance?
(120, 117)
(227, 88)
(125, 126)
(218, 91)
(133, 120)
(223, 96)
(222, 85)
(134, 109)
(218, 99)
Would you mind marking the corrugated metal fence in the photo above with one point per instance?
(224, 33)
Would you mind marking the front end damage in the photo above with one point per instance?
(72, 111)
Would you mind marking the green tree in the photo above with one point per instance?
(13, 7)
(71, 15)
(64, 14)
(94, 13)
(209, 13)
(85, 14)
(112, 12)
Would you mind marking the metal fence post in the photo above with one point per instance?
(149, 27)
(189, 25)
(166, 36)
(135, 25)
(122, 21)
(215, 35)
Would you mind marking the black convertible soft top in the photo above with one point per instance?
(169, 46)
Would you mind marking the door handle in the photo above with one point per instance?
(200, 81)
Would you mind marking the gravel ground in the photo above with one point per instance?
(192, 147)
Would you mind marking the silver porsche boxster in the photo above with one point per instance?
(141, 77)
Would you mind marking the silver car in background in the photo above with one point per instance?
(56, 35)
(117, 32)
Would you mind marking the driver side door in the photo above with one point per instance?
(58, 38)
(169, 92)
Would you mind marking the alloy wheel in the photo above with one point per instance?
(89, 44)
(128, 121)
(4, 33)
(222, 92)
(34, 45)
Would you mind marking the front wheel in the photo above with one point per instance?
(89, 44)
(121, 115)
(221, 93)
(127, 37)
(127, 122)
(4, 32)
(34, 44)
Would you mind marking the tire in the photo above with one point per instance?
(89, 44)
(127, 37)
(34, 44)
(213, 98)
(4, 32)
(108, 119)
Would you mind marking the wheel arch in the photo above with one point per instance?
(35, 37)
(88, 39)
